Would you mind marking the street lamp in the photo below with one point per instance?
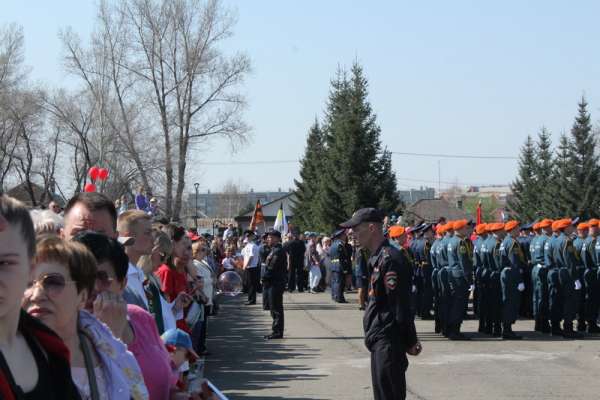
(196, 186)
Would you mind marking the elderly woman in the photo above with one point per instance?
(34, 362)
(64, 274)
(130, 323)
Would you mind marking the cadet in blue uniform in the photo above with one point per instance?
(274, 282)
(443, 277)
(511, 278)
(341, 264)
(582, 233)
(564, 256)
(491, 276)
(478, 289)
(460, 265)
(389, 327)
(589, 256)
(434, 277)
(539, 276)
(554, 293)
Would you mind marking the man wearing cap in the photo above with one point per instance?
(422, 257)
(566, 287)
(554, 300)
(478, 290)
(389, 327)
(539, 276)
(274, 282)
(263, 251)
(295, 250)
(460, 258)
(524, 240)
(591, 298)
(582, 234)
(341, 264)
(444, 276)
(511, 279)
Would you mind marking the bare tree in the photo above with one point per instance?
(193, 86)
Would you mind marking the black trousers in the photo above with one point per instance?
(388, 369)
(296, 277)
(253, 279)
(276, 307)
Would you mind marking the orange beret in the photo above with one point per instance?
(594, 222)
(545, 223)
(396, 231)
(481, 229)
(449, 226)
(461, 223)
(439, 229)
(495, 227)
(561, 224)
(536, 226)
(583, 226)
(510, 225)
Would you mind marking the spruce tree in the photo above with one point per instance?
(562, 204)
(525, 197)
(543, 172)
(358, 170)
(584, 165)
(308, 187)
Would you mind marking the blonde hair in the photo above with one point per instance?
(165, 247)
(129, 219)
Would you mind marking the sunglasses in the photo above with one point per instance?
(103, 280)
(52, 284)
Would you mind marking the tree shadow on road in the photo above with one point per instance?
(242, 361)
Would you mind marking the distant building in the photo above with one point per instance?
(227, 205)
(413, 195)
(431, 210)
(270, 213)
(501, 193)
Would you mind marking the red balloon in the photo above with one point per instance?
(90, 187)
(93, 173)
(103, 174)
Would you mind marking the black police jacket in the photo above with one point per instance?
(388, 316)
(276, 270)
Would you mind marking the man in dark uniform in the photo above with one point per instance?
(422, 252)
(444, 277)
(274, 282)
(566, 261)
(524, 240)
(478, 290)
(539, 276)
(295, 250)
(553, 283)
(389, 327)
(493, 268)
(439, 230)
(511, 279)
(341, 265)
(263, 250)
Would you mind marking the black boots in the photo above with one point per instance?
(508, 334)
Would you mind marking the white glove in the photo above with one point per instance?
(414, 289)
(471, 288)
(521, 287)
(577, 285)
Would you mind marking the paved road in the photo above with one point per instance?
(323, 357)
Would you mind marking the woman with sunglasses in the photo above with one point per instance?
(34, 361)
(64, 275)
(130, 323)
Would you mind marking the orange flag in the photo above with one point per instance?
(257, 217)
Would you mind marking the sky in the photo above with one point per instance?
(458, 78)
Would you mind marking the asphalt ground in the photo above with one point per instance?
(323, 357)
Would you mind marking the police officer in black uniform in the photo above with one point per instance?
(388, 323)
(274, 282)
(264, 250)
